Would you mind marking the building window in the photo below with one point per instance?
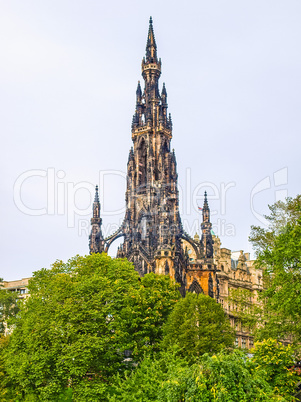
(244, 343)
(251, 343)
(22, 291)
(236, 342)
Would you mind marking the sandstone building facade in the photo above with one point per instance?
(18, 286)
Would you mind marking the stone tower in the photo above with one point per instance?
(96, 243)
(152, 227)
(154, 239)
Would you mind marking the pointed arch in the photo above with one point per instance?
(140, 141)
(166, 268)
(165, 146)
(142, 161)
(210, 286)
(192, 243)
(109, 240)
(195, 287)
(142, 213)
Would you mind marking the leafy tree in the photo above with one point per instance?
(8, 311)
(277, 361)
(256, 317)
(8, 307)
(80, 324)
(224, 377)
(198, 325)
(282, 294)
(8, 391)
(144, 383)
(278, 311)
(281, 214)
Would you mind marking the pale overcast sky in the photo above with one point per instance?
(68, 74)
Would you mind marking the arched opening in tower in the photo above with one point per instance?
(142, 163)
(166, 165)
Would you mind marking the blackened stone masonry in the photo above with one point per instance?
(154, 239)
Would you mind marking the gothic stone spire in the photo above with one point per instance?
(96, 243)
(151, 47)
(206, 210)
(206, 226)
(152, 227)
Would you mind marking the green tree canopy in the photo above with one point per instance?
(279, 255)
(8, 390)
(8, 307)
(224, 377)
(278, 363)
(198, 325)
(278, 311)
(282, 213)
(282, 294)
(82, 321)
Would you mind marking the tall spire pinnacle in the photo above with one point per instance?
(96, 198)
(164, 95)
(96, 204)
(151, 47)
(205, 200)
(206, 210)
(206, 226)
(96, 243)
(138, 92)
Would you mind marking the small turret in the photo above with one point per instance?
(206, 210)
(96, 204)
(151, 47)
(96, 243)
(131, 155)
(135, 120)
(169, 122)
(120, 253)
(164, 94)
(163, 109)
(151, 69)
(207, 241)
(138, 94)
